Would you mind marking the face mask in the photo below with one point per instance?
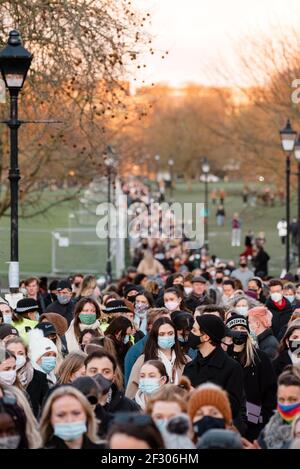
(140, 309)
(291, 298)
(87, 319)
(8, 377)
(182, 340)
(207, 423)
(63, 299)
(161, 424)
(194, 340)
(7, 318)
(9, 442)
(188, 290)
(20, 361)
(298, 296)
(48, 364)
(242, 310)
(294, 346)
(131, 298)
(172, 305)
(239, 337)
(23, 291)
(70, 431)
(219, 280)
(276, 297)
(126, 339)
(288, 412)
(166, 342)
(149, 385)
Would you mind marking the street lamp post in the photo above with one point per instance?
(288, 136)
(297, 155)
(15, 62)
(205, 170)
(110, 162)
(171, 164)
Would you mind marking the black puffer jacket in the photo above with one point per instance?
(280, 316)
(281, 362)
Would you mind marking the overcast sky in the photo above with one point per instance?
(199, 33)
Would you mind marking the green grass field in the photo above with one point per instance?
(35, 233)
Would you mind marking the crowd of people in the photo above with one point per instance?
(202, 358)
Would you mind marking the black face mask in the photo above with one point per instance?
(239, 337)
(219, 280)
(294, 346)
(105, 384)
(207, 423)
(194, 341)
(131, 298)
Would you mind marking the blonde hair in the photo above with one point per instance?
(32, 428)
(88, 285)
(46, 429)
(72, 363)
(168, 393)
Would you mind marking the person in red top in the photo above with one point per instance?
(280, 307)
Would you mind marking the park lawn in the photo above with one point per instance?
(35, 233)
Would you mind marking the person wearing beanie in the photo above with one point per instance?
(64, 304)
(260, 322)
(212, 363)
(208, 408)
(259, 378)
(184, 323)
(27, 312)
(43, 354)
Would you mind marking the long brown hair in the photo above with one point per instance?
(151, 347)
(78, 309)
(72, 363)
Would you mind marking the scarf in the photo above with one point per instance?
(277, 433)
(140, 399)
(72, 342)
(25, 374)
(169, 365)
(280, 305)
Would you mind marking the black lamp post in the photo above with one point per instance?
(297, 155)
(110, 162)
(288, 136)
(205, 170)
(15, 62)
(171, 164)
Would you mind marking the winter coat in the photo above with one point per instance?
(71, 339)
(193, 301)
(277, 434)
(57, 443)
(64, 310)
(281, 362)
(37, 389)
(280, 316)
(220, 369)
(260, 385)
(132, 355)
(120, 403)
(268, 344)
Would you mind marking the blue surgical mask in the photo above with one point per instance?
(126, 339)
(70, 431)
(291, 298)
(48, 364)
(149, 385)
(7, 318)
(63, 299)
(166, 342)
(182, 340)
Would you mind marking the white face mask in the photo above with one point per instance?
(188, 290)
(276, 297)
(20, 361)
(298, 296)
(172, 305)
(8, 377)
(242, 310)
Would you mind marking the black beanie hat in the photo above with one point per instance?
(213, 326)
(182, 320)
(131, 287)
(7, 329)
(116, 306)
(27, 305)
(237, 320)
